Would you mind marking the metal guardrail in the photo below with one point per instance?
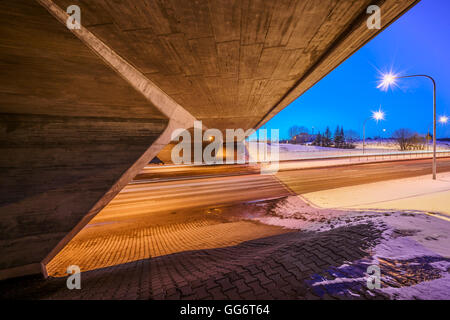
(384, 155)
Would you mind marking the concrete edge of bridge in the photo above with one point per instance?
(179, 118)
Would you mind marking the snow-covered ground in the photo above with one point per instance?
(296, 151)
(413, 252)
(392, 144)
(295, 213)
(427, 240)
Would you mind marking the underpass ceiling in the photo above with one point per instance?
(234, 63)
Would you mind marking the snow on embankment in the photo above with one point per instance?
(413, 252)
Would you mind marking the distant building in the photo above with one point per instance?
(302, 138)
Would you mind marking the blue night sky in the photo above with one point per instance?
(419, 42)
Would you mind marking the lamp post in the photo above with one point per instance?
(428, 136)
(376, 115)
(390, 79)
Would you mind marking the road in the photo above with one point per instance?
(146, 197)
(181, 187)
(159, 214)
(311, 180)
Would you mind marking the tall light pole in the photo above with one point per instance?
(428, 136)
(376, 115)
(390, 79)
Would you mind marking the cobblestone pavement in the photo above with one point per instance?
(329, 264)
(116, 242)
(96, 248)
(276, 267)
(149, 219)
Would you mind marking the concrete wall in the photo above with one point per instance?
(70, 128)
(234, 63)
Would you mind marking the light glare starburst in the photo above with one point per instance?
(443, 119)
(378, 115)
(387, 80)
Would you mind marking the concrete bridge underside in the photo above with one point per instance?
(83, 111)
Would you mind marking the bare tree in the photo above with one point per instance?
(402, 136)
(418, 142)
(408, 140)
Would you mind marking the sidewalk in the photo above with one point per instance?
(418, 193)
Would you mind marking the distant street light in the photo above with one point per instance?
(442, 120)
(389, 79)
(376, 115)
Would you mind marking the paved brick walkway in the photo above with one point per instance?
(278, 267)
(102, 245)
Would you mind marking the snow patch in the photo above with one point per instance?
(410, 242)
(438, 289)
